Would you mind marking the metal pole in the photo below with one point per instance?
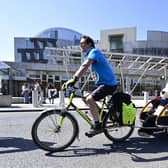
(122, 78)
(139, 79)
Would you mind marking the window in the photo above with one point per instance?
(36, 56)
(29, 44)
(44, 77)
(46, 54)
(40, 44)
(116, 43)
(28, 57)
(57, 78)
(34, 76)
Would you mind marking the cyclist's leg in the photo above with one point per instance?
(99, 93)
(94, 108)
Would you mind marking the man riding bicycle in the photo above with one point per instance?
(103, 75)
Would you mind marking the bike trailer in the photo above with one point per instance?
(155, 113)
(152, 106)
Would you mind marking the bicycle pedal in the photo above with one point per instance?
(88, 135)
(93, 133)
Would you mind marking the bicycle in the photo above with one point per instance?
(56, 129)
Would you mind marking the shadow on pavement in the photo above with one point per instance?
(74, 151)
(139, 146)
(133, 146)
(15, 144)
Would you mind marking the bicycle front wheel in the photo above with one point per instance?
(54, 131)
(115, 132)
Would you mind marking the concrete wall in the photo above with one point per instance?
(129, 38)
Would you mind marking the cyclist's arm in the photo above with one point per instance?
(83, 68)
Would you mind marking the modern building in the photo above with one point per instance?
(149, 57)
(118, 40)
(33, 49)
(33, 61)
(54, 55)
(124, 40)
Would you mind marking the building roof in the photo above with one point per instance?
(4, 65)
(139, 62)
(65, 32)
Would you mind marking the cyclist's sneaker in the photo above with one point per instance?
(96, 129)
(145, 132)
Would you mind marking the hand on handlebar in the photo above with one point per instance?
(69, 83)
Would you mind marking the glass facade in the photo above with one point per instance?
(63, 36)
(155, 45)
(116, 43)
(33, 50)
(151, 51)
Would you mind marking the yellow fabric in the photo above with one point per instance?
(128, 113)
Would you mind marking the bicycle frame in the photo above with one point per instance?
(80, 111)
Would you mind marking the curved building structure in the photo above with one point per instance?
(64, 36)
(32, 49)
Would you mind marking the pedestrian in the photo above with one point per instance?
(37, 87)
(52, 93)
(25, 93)
(101, 72)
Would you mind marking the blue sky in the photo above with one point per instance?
(26, 18)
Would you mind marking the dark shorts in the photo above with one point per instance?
(102, 91)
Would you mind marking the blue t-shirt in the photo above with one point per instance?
(101, 68)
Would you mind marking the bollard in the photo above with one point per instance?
(35, 98)
(62, 99)
(146, 96)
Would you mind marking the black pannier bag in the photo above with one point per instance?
(123, 108)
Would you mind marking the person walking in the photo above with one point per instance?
(25, 93)
(38, 89)
(52, 93)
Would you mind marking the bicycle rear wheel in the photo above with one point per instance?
(54, 131)
(115, 132)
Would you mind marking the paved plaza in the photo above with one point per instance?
(17, 149)
(30, 107)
